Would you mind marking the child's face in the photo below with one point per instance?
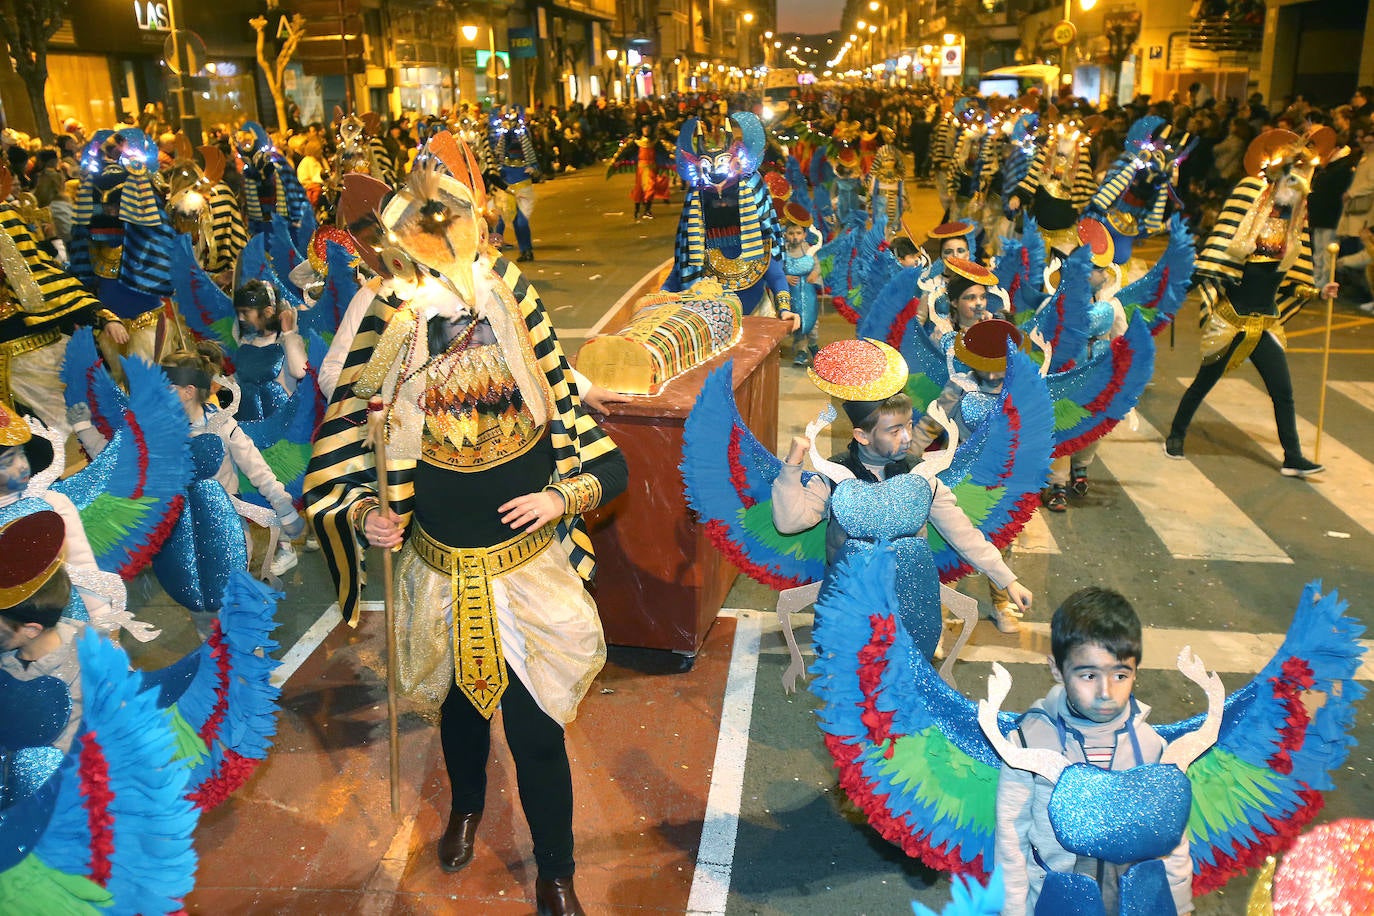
(972, 306)
(795, 236)
(890, 437)
(255, 318)
(14, 470)
(1097, 278)
(954, 248)
(1097, 683)
(910, 260)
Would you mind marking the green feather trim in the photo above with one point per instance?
(286, 459)
(1146, 315)
(1067, 414)
(33, 887)
(921, 389)
(976, 502)
(189, 747)
(1226, 789)
(758, 521)
(108, 519)
(224, 332)
(826, 263)
(856, 296)
(961, 790)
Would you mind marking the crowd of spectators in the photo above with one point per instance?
(1340, 209)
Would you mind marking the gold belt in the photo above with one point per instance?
(478, 663)
(9, 349)
(142, 322)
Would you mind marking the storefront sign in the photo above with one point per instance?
(522, 42)
(152, 16)
(952, 60)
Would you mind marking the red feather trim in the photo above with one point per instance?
(1297, 677)
(139, 559)
(872, 664)
(845, 312)
(94, 771)
(895, 830)
(98, 415)
(209, 731)
(1279, 837)
(896, 333)
(141, 442)
(719, 534)
(233, 771)
(1078, 443)
(1121, 365)
(739, 477)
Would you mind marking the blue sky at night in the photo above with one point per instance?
(809, 16)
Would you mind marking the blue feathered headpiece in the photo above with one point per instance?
(736, 154)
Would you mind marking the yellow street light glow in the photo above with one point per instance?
(612, 53)
(768, 35)
(1086, 5)
(470, 32)
(862, 25)
(872, 28)
(853, 37)
(950, 38)
(777, 44)
(748, 17)
(873, 5)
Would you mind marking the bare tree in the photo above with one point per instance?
(28, 25)
(275, 68)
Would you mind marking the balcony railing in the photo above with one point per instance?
(1222, 33)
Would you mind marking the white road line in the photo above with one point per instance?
(1036, 537)
(1349, 479)
(1224, 651)
(715, 857)
(310, 640)
(1361, 393)
(1205, 525)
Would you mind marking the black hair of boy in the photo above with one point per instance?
(45, 606)
(903, 247)
(1095, 616)
(867, 414)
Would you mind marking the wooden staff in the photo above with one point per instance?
(1331, 251)
(376, 433)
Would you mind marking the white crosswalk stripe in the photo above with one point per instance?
(1036, 537)
(1349, 477)
(1212, 527)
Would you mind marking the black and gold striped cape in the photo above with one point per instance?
(62, 292)
(1080, 191)
(342, 469)
(1216, 264)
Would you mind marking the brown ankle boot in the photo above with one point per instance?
(455, 846)
(557, 897)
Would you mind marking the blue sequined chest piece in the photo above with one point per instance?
(975, 408)
(207, 455)
(895, 508)
(1121, 816)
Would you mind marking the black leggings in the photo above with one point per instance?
(541, 769)
(1269, 359)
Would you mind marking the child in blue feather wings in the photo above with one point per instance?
(1090, 716)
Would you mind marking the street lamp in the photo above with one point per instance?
(469, 32)
(1065, 72)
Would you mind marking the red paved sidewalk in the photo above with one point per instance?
(312, 831)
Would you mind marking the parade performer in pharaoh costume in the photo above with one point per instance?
(481, 417)
(646, 154)
(121, 242)
(40, 305)
(202, 206)
(1255, 272)
(1133, 200)
(728, 229)
(973, 165)
(360, 150)
(518, 165)
(270, 186)
(887, 181)
(1059, 183)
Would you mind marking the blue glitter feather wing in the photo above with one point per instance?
(1063, 321)
(729, 477)
(969, 898)
(997, 475)
(1090, 399)
(907, 745)
(282, 252)
(256, 263)
(151, 861)
(85, 380)
(208, 310)
(890, 315)
(130, 496)
(1159, 293)
(284, 437)
(340, 286)
(1261, 783)
(926, 363)
(1020, 270)
(865, 251)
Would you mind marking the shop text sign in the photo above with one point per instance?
(152, 16)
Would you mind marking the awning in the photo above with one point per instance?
(1046, 72)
